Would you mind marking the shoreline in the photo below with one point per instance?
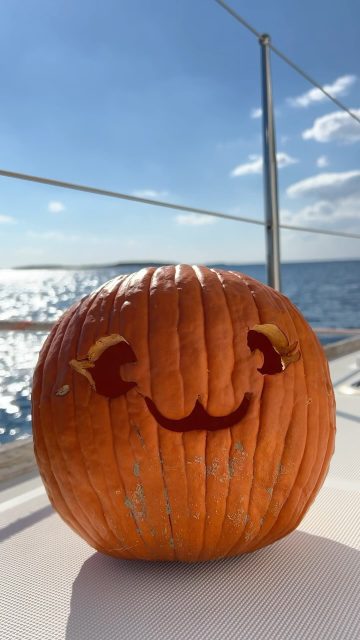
(156, 263)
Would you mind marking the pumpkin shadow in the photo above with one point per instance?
(304, 585)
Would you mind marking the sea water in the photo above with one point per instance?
(327, 293)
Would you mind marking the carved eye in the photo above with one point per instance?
(101, 366)
(275, 347)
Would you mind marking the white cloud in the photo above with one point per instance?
(336, 126)
(328, 211)
(194, 219)
(327, 185)
(284, 160)
(338, 88)
(256, 113)
(322, 162)
(256, 163)
(254, 166)
(151, 194)
(336, 201)
(6, 219)
(55, 206)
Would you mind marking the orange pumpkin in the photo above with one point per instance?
(182, 413)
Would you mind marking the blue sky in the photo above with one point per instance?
(158, 98)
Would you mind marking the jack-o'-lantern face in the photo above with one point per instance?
(182, 413)
(102, 368)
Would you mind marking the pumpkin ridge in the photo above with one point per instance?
(231, 444)
(137, 523)
(172, 444)
(222, 282)
(220, 440)
(305, 488)
(65, 475)
(150, 524)
(231, 501)
(196, 271)
(177, 280)
(269, 535)
(326, 459)
(267, 538)
(165, 488)
(59, 456)
(142, 527)
(265, 291)
(251, 488)
(88, 472)
(224, 437)
(195, 442)
(40, 446)
(324, 469)
(227, 437)
(96, 472)
(118, 515)
(125, 552)
(85, 517)
(177, 333)
(103, 477)
(260, 534)
(115, 526)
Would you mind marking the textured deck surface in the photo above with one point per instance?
(53, 586)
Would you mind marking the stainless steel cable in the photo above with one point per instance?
(305, 75)
(239, 18)
(126, 196)
(327, 232)
(292, 64)
(160, 203)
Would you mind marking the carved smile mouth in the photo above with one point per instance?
(199, 418)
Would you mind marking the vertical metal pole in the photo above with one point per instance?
(270, 171)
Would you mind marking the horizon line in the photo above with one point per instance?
(165, 263)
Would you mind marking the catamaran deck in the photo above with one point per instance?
(305, 586)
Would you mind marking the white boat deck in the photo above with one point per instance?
(305, 586)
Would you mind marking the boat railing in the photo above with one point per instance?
(348, 340)
(36, 325)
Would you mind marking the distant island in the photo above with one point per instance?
(71, 267)
(156, 263)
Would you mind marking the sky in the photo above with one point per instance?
(161, 99)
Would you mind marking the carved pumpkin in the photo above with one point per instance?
(182, 413)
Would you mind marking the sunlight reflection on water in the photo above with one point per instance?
(328, 294)
(32, 295)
